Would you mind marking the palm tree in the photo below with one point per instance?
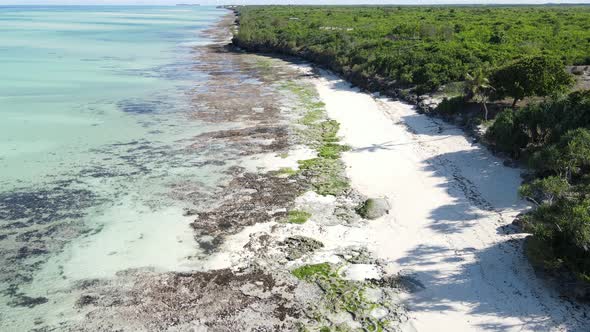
(478, 88)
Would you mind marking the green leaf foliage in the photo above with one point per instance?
(556, 137)
(562, 231)
(538, 126)
(532, 76)
(417, 46)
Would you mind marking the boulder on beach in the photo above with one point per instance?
(373, 208)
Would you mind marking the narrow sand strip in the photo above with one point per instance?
(447, 231)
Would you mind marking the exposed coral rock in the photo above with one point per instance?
(298, 246)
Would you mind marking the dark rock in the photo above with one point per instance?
(298, 246)
(373, 208)
(190, 212)
(221, 300)
(358, 255)
(27, 301)
(243, 207)
(25, 252)
(86, 299)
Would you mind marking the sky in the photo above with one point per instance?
(284, 2)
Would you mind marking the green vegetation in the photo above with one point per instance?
(478, 88)
(554, 137)
(297, 217)
(531, 76)
(327, 177)
(425, 47)
(470, 55)
(288, 171)
(312, 272)
(538, 127)
(340, 295)
(326, 171)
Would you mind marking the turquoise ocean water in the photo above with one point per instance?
(94, 110)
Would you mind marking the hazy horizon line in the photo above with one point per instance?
(516, 3)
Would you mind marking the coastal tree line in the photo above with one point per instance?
(513, 58)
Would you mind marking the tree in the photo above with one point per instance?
(567, 157)
(531, 76)
(478, 88)
(575, 145)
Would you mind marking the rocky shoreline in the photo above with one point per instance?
(278, 241)
(285, 242)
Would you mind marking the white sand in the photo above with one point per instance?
(449, 200)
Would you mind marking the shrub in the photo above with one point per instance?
(450, 106)
(506, 133)
(570, 156)
(563, 229)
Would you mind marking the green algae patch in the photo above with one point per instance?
(332, 151)
(340, 295)
(327, 170)
(327, 175)
(288, 171)
(304, 93)
(312, 272)
(298, 217)
(312, 117)
(330, 131)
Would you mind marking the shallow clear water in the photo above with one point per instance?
(94, 122)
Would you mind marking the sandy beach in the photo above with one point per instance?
(161, 171)
(449, 229)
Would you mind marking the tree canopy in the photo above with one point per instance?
(532, 76)
(416, 46)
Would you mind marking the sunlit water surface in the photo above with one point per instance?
(94, 122)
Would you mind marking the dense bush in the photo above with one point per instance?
(507, 133)
(562, 234)
(448, 106)
(537, 126)
(556, 137)
(417, 46)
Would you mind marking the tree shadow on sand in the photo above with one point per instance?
(475, 180)
(390, 145)
(516, 295)
(495, 281)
